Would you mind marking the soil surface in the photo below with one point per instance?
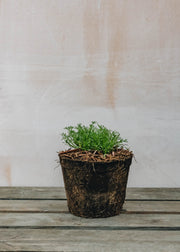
(96, 156)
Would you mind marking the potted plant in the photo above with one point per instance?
(95, 170)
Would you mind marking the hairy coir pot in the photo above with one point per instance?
(95, 188)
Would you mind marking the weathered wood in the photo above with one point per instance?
(59, 193)
(37, 219)
(68, 235)
(63, 220)
(32, 193)
(88, 240)
(60, 206)
(153, 194)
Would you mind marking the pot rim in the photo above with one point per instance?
(91, 162)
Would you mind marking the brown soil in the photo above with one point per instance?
(96, 156)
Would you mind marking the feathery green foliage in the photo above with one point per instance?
(94, 137)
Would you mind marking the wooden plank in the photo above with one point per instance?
(33, 206)
(59, 193)
(65, 220)
(153, 193)
(152, 207)
(59, 206)
(88, 240)
(32, 193)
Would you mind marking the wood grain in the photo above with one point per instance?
(88, 240)
(66, 219)
(59, 193)
(60, 206)
(37, 219)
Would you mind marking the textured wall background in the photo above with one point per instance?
(69, 61)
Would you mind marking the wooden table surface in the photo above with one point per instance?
(37, 219)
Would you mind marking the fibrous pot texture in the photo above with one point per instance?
(95, 188)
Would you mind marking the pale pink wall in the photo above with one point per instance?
(69, 61)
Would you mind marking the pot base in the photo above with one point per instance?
(95, 209)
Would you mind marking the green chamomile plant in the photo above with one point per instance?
(94, 137)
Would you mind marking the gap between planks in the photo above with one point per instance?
(103, 228)
(67, 212)
(64, 199)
